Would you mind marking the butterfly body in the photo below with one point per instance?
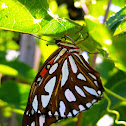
(65, 86)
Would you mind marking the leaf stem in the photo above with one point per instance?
(106, 13)
(0, 79)
(114, 94)
(79, 119)
(113, 111)
(94, 59)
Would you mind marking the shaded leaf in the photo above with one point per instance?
(116, 84)
(18, 69)
(14, 93)
(91, 116)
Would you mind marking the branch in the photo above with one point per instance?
(114, 94)
(106, 13)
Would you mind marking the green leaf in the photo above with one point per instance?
(4, 70)
(12, 45)
(118, 52)
(116, 83)
(118, 3)
(67, 122)
(97, 8)
(91, 116)
(101, 34)
(21, 16)
(117, 23)
(97, 30)
(14, 93)
(121, 108)
(105, 68)
(18, 69)
(33, 17)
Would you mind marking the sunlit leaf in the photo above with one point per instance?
(35, 18)
(117, 23)
(5, 68)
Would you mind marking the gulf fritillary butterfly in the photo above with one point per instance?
(65, 86)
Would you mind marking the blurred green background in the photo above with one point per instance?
(66, 16)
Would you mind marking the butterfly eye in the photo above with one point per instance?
(67, 86)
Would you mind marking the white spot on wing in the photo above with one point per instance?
(88, 105)
(73, 65)
(48, 66)
(81, 107)
(96, 83)
(32, 111)
(62, 109)
(81, 60)
(69, 95)
(39, 79)
(60, 54)
(74, 50)
(75, 112)
(79, 91)
(99, 92)
(41, 120)
(33, 123)
(53, 68)
(92, 75)
(68, 44)
(27, 112)
(39, 111)
(35, 103)
(90, 90)
(49, 113)
(56, 113)
(48, 88)
(69, 114)
(93, 101)
(65, 73)
(81, 77)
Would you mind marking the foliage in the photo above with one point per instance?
(35, 17)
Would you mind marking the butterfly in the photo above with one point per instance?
(65, 86)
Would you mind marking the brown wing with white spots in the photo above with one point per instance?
(75, 87)
(65, 86)
(72, 88)
(31, 118)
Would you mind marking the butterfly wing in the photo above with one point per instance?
(65, 86)
(72, 87)
(32, 118)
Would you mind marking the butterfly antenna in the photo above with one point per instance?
(40, 38)
(83, 39)
(66, 35)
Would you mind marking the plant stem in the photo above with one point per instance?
(106, 13)
(114, 94)
(113, 111)
(79, 119)
(94, 59)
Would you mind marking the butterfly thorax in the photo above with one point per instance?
(71, 48)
